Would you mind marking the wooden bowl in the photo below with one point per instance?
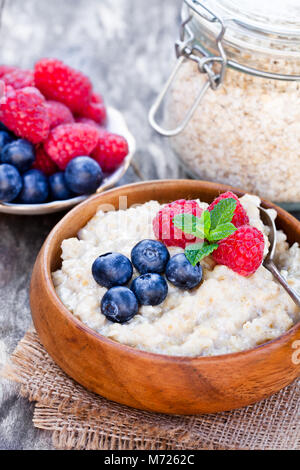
(167, 384)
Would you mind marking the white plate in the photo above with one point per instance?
(117, 125)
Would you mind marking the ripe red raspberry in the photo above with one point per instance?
(19, 78)
(97, 98)
(68, 141)
(2, 90)
(240, 216)
(110, 151)
(43, 162)
(60, 82)
(58, 114)
(91, 122)
(242, 251)
(24, 113)
(96, 112)
(163, 227)
(4, 69)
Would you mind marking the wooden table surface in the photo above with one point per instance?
(126, 47)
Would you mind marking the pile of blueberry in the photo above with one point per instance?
(20, 183)
(151, 259)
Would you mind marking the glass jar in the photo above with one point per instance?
(233, 107)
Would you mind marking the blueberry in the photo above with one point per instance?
(58, 187)
(112, 269)
(119, 304)
(35, 188)
(19, 153)
(150, 289)
(83, 175)
(150, 256)
(182, 273)
(5, 138)
(10, 182)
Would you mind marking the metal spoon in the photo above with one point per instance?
(268, 261)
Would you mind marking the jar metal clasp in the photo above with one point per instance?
(186, 48)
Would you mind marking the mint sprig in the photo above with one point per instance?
(221, 231)
(190, 224)
(223, 212)
(197, 251)
(212, 227)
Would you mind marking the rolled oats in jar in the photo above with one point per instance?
(233, 108)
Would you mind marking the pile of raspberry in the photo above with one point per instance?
(55, 108)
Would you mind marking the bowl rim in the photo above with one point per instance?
(46, 271)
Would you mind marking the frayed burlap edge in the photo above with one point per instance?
(78, 432)
(80, 419)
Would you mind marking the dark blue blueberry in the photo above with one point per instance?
(35, 188)
(150, 256)
(19, 153)
(112, 269)
(10, 183)
(182, 273)
(58, 187)
(150, 289)
(119, 304)
(5, 138)
(83, 175)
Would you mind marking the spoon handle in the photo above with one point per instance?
(276, 273)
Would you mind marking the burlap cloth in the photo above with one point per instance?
(79, 419)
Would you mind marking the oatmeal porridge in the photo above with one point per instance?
(226, 313)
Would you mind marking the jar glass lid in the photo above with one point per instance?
(270, 16)
(264, 25)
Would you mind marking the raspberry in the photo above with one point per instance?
(59, 82)
(240, 216)
(2, 90)
(96, 110)
(43, 162)
(58, 114)
(242, 251)
(19, 78)
(110, 151)
(24, 113)
(5, 90)
(96, 98)
(163, 227)
(91, 122)
(68, 141)
(4, 69)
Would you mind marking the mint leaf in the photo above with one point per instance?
(222, 231)
(203, 224)
(188, 223)
(196, 252)
(222, 212)
(206, 221)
